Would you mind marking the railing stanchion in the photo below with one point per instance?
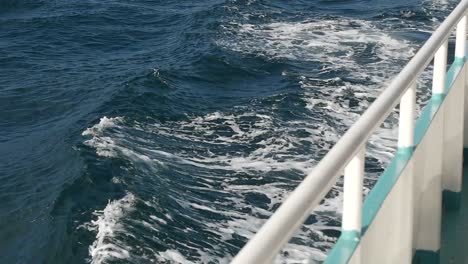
(460, 44)
(407, 118)
(440, 68)
(405, 209)
(352, 195)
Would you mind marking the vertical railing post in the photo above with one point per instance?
(465, 104)
(461, 38)
(440, 68)
(460, 43)
(407, 117)
(454, 125)
(352, 195)
(404, 211)
(429, 164)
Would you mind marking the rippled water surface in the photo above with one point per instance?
(169, 131)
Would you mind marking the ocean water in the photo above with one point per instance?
(169, 131)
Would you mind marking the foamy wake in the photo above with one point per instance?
(252, 154)
(338, 42)
(103, 145)
(106, 226)
(276, 149)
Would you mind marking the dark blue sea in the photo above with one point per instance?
(143, 131)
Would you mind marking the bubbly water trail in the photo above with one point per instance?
(250, 156)
(107, 224)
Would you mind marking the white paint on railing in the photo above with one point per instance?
(352, 194)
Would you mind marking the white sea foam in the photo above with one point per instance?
(174, 256)
(112, 144)
(336, 41)
(106, 226)
(104, 145)
(104, 123)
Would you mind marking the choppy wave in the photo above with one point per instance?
(169, 133)
(107, 225)
(240, 176)
(356, 60)
(235, 175)
(251, 157)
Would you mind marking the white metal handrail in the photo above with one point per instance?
(348, 153)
